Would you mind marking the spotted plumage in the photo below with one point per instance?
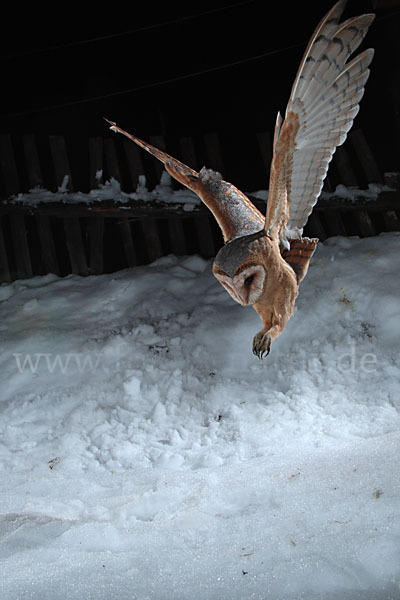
(264, 259)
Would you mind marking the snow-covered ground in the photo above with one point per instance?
(146, 454)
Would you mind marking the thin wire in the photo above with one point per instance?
(151, 85)
(164, 81)
(123, 33)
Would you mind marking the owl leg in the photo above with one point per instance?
(262, 344)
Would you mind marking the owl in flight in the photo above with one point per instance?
(265, 258)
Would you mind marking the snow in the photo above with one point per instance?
(164, 192)
(146, 454)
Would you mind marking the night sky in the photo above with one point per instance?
(59, 78)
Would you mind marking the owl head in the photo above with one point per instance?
(239, 269)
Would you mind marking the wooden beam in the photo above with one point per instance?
(4, 266)
(135, 163)
(61, 164)
(365, 156)
(341, 161)
(95, 161)
(364, 223)
(152, 238)
(96, 232)
(127, 242)
(8, 167)
(20, 246)
(188, 152)
(75, 245)
(265, 145)
(159, 142)
(176, 234)
(35, 176)
(110, 151)
(204, 235)
(213, 152)
(47, 245)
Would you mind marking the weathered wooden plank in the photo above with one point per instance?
(188, 152)
(9, 172)
(335, 223)
(341, 160)
(47, 245)
(112, 162)
(213, 152)
(61, 164)
(365, 156)
(135, 163)
(392, 221)
(4, 266)
(265, 145)
(364, 223)
(204, 235)
(75, 245)
(315, 227)
(159, 142)
(177, 235)
(95, 161)
(20, 246)
(95, 229)
(127, 242)
(34, 171)
(152, 239)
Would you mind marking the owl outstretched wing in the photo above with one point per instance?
(322, 106)
(233, 211)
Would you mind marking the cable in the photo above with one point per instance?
(150, 85)
(124, 33)
(162, 82)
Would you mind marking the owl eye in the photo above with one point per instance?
(249, 280)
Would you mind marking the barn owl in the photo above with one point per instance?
(264, 259)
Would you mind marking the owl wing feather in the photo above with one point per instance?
(322, 106)
(234, 212)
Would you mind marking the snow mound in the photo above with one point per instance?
(145, 453)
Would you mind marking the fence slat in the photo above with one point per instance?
(365, 156)
(392, 221)
(112, 161)
(188, 152)
(47, 246)
(135, 163)
(8, 166)
(20, 246)
(34, 172)
(95, 161)
(4, 267)
(177, 236)
(76, 248)
(59, 154)
(127, 242)
(315, 227)
(341, 160)
(96, 232)
(152, 238)
(365, 225)
(213, 152)
(335, 223)
(159, 142)
(265, 145)
(204, 235)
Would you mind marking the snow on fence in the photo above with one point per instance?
(104, 230)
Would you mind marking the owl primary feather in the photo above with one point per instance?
(264, 259)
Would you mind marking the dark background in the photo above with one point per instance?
(67, 66)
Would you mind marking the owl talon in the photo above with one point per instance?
(262, 344)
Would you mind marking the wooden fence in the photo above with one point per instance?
(103, 237)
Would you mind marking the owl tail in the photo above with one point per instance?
(299, 255)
